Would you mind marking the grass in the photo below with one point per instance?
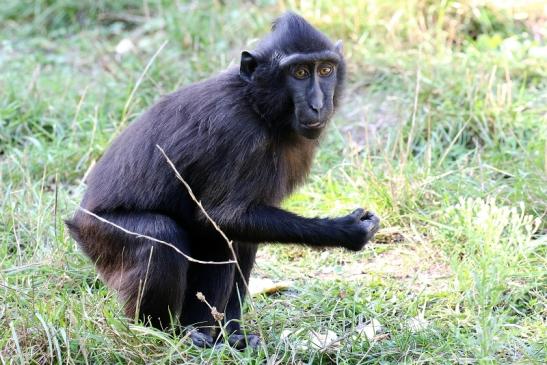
(443, 133)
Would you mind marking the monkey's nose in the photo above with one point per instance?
(316, 106)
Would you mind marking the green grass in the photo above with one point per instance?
(443, 133)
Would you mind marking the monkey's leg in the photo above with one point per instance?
(246, 254)
(213, 281)
(149, 277)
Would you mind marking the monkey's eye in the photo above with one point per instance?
(301, 72)
(325, 69)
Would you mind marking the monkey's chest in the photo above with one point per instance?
(292, 166)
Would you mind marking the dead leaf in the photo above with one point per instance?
(267, 286)
(369, 329)
(389, 235)
(324, 341)
(285, 334)
(125, 46)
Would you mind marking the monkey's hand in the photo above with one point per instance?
(359, 227)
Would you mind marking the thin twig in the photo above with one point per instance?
(228, 241)
(217, 228)
(215, 225)
(139, 235)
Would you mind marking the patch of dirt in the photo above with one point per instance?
(420, 266)
(424, 269)
(396, 254)
(402, 255)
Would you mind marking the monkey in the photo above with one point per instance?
(242, 140)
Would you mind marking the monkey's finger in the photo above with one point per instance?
(253, 341)
(240, 342)
(371, 216)
(201, 339)
(371, 224)
(358, 213)
(368, 225)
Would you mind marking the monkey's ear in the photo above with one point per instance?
(248, 66)
(339, 47)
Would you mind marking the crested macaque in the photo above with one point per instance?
(243, 140)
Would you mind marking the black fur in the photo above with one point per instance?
(235, 139)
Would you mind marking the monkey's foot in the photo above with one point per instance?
(240, 342)
(201, 339)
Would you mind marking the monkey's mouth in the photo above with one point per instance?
(313, 125)
(311, 130)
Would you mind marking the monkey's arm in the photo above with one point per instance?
(270, 224)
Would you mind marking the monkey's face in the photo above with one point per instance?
(299, 87)
(311, 86)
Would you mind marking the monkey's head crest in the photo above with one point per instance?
(290, 34)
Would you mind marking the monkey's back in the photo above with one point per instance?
(218, 146)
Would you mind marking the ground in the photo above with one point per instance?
(443, 133)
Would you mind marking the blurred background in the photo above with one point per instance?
(443, 132)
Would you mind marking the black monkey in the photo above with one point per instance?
(243, 140)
